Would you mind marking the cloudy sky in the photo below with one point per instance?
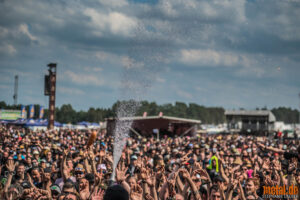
(230, 53)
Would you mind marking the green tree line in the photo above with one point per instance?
(212, 115)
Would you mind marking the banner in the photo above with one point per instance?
(23, 112)
(41, 115)
(10, 114)
(31, 111)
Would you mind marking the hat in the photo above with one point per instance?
(175, 151)
(236, 152)
(167, 157)
(36, 152)
(22, 147)
(238, 161)
(79, 167)
(25, 185)
(43, 160)
(133, 157)
(55, 188)
(196, 146)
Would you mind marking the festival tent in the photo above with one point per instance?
(149, 125)
(3, 121)
(88, 124)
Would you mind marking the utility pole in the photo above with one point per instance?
(50, 88)
(16, 90)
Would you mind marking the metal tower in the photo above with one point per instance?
(50, 88)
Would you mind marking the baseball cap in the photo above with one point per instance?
(55, 188)
(133, 157)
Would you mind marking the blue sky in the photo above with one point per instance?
(230, 53)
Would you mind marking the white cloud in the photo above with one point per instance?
(116, 22)
(7, 49)
(184, 94)
(167, 8)
(23, 28)
(160, 80)
(83, 79)
(114, 3)
(92, 69)
(130, 63)
(105, 56)
(198, 57)
(232, 10)
(3, 32)
(70, 91)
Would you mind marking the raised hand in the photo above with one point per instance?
(136, 193)
(144, 174)
(151, 181)
(102, 153)
(204, 175)
(266, 164)
(185, 173)
(121, 173)
(148, 197)
(139, 163)
(197, 166)
(98, 194)
(10, 165)
(277, 165)
(184, 159)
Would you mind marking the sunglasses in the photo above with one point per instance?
(79, 172)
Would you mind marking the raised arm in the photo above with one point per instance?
(11, 168)
(270, 148)
(186, 175)
(63, 166)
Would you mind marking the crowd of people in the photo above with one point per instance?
(59, 165)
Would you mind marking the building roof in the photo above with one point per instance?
(174, 119)
(252, 113)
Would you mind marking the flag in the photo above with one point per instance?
(31, 111)
(41, 115)
(23, 112)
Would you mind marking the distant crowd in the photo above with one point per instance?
(60, 165)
